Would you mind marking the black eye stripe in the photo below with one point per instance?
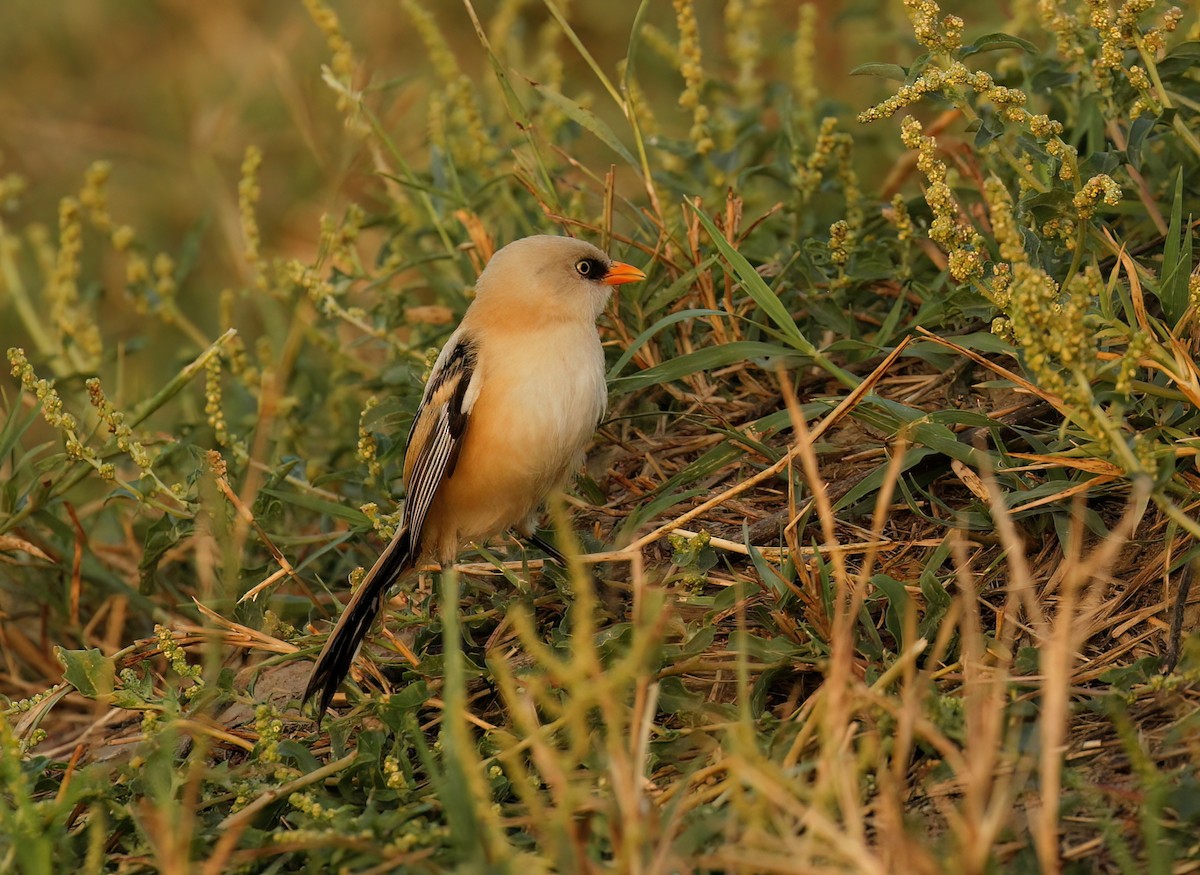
(591, 268)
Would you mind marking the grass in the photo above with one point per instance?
(882, 555)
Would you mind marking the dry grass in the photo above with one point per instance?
(855, 585)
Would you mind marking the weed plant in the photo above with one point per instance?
(881, 559)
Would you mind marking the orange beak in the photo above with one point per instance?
(620, 273)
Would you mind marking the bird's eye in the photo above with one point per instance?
(585, 267)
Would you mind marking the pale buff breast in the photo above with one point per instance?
(542, 394)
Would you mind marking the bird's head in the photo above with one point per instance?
(557, 278)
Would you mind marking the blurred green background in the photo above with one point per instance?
(172, 93)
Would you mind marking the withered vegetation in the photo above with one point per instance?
(882, 558)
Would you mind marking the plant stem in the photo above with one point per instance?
(10, 280)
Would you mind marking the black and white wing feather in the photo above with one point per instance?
(436, 436)
(434, 442)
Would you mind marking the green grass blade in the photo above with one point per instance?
(583, 51)
(320, 506)
(699, 360)
(516, 109)
(644, 337)
(1177, 261)
(586, 119)
(768, 301)
(14, 427)
(756, 286)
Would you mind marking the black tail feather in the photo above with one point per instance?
(549, 549)
(352, 627)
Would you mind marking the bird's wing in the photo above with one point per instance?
(436, 436)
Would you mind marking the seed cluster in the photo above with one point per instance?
(368, 447)
(693, 76)
(342, 61)
(962, 243)
(1100, 187)
(832, 160)
(744, 37)
(114, 421)
(804, 64)
(178, 660)
(454, 120)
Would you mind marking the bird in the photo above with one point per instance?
(510, 405)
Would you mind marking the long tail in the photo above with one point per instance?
(352, 627)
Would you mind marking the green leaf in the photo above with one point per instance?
(15, 426)
(699, 360)
(697, 641)
(162, 534)
(587, 120)
(319, 505)
(1106, 161)
(1189, 50)
(756, 286)
(631, 53)
(881, 71)
(939, 438)
(898, 604)
(887, 329)
(644, 337)
(675, 698)
(991, 127)
(127, 699)
(1138, 132)
(768, 301)
(767, 573)
(1180, 61)
(774, 651)
(873, 481)
(89, 671)
(980, 341)
(653, 509)
(1177, 260)
(299, 754)
(937, 600)
(991, 42)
